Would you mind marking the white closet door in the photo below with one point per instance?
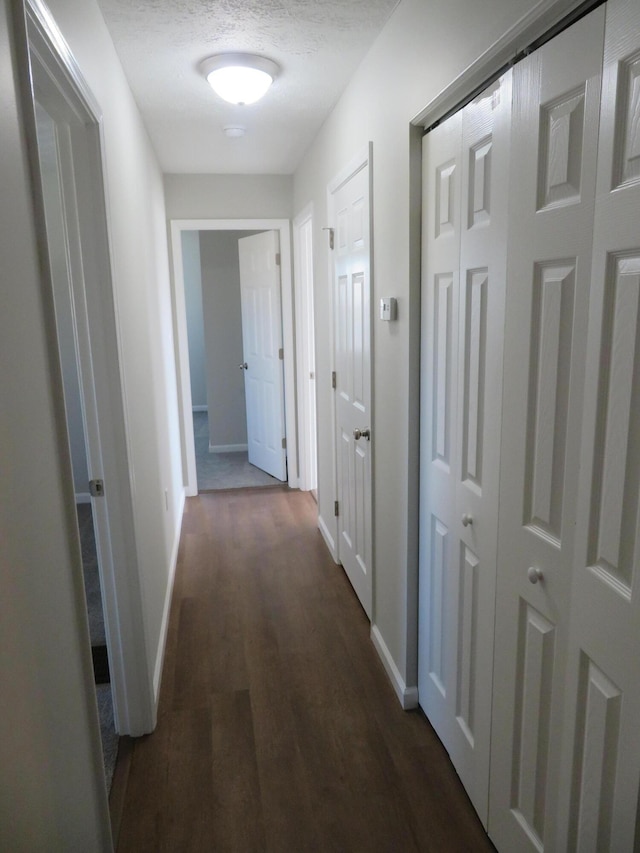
(466, 164)
(442, 178)
(553, 164)
(601, 767)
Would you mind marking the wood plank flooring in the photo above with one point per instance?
(278, 729)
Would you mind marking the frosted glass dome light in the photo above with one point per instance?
(239, 78)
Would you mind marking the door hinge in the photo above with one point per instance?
(334, 379)
(96, 488)
(281, 354)
(331, 236)
(336, 508)
(284, 443)
(278, 259)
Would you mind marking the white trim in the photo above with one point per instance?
(227, 448)
(363, 159)
(283, 226)
(83, 498)
(328, 538)
(59, 86)
(199, 408)
(544, 15)
(166, 611)
(305, 355)
(407, 696)
(358, 162)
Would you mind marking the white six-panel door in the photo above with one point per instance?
(564, 768)
(554, 147)
(465, 217)
(352, 330)
(600, 771)
(262, 343)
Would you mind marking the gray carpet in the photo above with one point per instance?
(108, 735)
(223, 470)
(93, 595)
(91, 576)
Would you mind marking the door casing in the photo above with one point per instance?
(283, 226)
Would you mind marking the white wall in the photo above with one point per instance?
(423, 48)
(51, 786)
(223, 332)
(228, 196)
(191, 265)
(143, 307)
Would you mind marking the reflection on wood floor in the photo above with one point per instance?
(278, 729)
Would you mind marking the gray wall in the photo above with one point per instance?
(192, 271)
(223, 332)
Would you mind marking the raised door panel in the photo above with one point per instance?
(553, 163)
(464, 240)
(601, 758)
(261, 340)
(439, 546)
(483, 256)
(353, 380)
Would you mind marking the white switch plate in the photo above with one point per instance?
(388, 308)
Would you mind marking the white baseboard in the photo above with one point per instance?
(199, 408)
(157, 670)
(407, 696)
(227, 448)
(83, 498)
(328, 538)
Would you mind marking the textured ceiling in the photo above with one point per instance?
(317, 43)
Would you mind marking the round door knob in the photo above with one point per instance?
(534, 574)
(243, 366)
(466, 519)
(362, 433)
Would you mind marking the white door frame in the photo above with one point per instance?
(283, 226)
(58, 84)
(305, 330)
(361, 160)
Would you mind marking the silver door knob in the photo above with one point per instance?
(534, 574)
(243, 366)
(362, 433)
(466, 519)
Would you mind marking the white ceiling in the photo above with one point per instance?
(317, 43)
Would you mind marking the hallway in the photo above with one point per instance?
(278, 729)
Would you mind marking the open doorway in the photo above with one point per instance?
(187, 297)
(66, 160)
(220, 382)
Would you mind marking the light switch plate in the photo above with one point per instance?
(388, 308)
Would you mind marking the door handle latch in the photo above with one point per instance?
(362, 433)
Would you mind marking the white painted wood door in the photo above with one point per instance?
(466, 161)
(556, 95)
(262, 344)
(600, 771)
(352, 329)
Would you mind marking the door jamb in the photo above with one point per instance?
(283, 226)
(363, 158)
(134, 709)
(304, 300)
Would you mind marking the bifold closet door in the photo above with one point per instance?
(601, 747)
(556, 97)
(465, 169)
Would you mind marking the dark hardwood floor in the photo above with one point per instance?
(278, 729)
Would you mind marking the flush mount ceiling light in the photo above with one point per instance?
(239, 78)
